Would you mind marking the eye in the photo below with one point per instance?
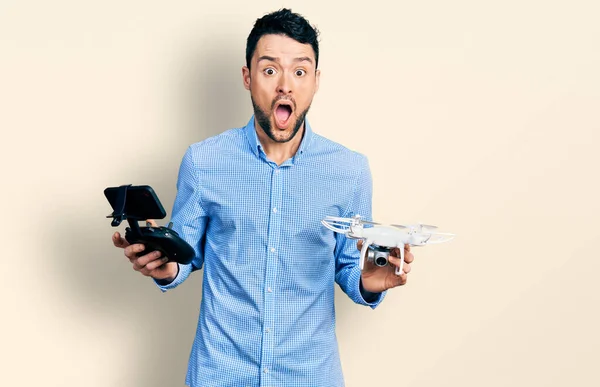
(269, 71)
(300, 73)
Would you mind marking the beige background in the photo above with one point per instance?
(478, 116)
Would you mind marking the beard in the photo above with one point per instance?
(264, 120)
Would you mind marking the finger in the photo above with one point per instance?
(395, 261)
(152, 222)
(401, 279)
(155, 264)
(148, 262)
(135, 264)
(119, 241)
(359, 244)
(146, 259)
(408, 257)
(395, 252)
(131, 251)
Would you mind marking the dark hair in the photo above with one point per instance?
(283, 22)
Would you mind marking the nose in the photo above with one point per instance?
(284, 86)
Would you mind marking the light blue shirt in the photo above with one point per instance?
(270, 267)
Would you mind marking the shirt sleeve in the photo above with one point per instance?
(347, 256)
(189, 218)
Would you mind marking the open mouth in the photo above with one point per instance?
(283, 112)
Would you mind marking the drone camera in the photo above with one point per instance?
(378, 255)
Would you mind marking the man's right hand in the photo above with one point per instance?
(152, 264)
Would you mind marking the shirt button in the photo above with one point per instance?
(272, 249)
(269, 290)
(277, 171)
(274, 209)
(266, 370)
(267, 330)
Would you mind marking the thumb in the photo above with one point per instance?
(152, 222)
(119, 241)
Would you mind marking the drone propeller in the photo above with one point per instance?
(419, 227)
(372, 223)
(439, 237)
(344, 226)
(336, 227)
(339, 225)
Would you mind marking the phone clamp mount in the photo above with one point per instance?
(139, 203)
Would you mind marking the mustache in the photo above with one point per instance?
(290, 99)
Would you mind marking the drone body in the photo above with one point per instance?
(379, 240)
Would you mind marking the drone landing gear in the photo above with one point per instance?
(379, 255)
(399, 269)
(364, 253)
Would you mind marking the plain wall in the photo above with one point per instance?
(480, 117)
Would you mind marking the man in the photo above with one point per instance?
(250, 202)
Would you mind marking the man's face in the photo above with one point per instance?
(282, 80)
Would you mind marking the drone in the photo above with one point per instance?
(380, 239)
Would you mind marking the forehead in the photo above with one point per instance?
(283, 47)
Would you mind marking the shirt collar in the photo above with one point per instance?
(257, 149)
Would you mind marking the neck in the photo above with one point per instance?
(279, 152)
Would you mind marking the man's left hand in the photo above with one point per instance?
(377, 279)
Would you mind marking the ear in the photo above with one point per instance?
(246, 77)
(317, 78)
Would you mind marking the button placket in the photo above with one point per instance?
(270, 275)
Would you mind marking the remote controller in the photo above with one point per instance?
(136, 203)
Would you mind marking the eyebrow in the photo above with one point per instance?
(303, 59)
(273, 59)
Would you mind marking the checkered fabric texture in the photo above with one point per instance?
(270, 267)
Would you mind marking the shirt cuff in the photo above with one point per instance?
(370, 298)
(360, 295)
(183, 271)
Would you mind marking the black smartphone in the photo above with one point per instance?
(141, 202)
